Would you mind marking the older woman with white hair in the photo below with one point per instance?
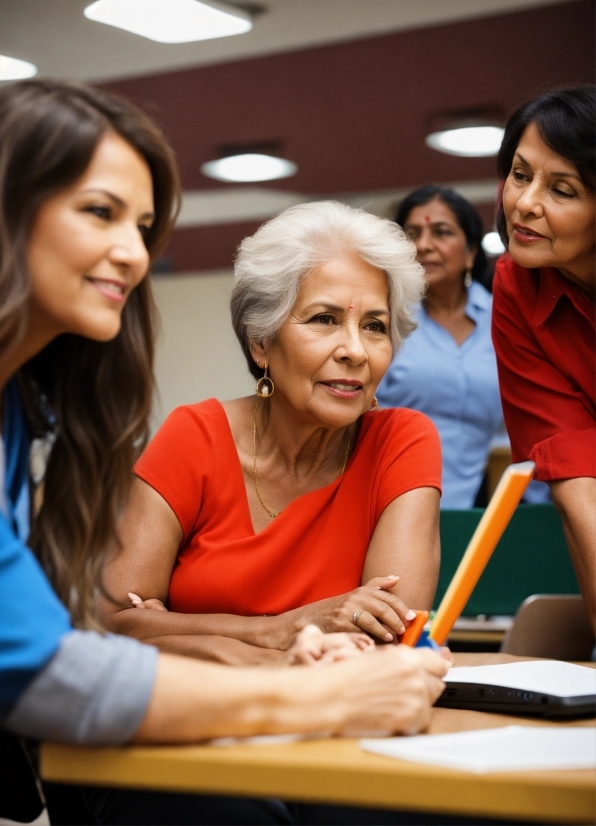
(304, 503)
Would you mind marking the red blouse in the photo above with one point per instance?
(544, 337)
(314, 549)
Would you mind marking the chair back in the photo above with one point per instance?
(552, 626)
(531, 558)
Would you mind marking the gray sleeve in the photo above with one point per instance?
(94, 690)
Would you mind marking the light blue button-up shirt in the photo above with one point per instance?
(457, 387)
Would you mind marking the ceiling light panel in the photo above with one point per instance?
(171, 21)
(467, 141)
(13, 69)
(249, 167)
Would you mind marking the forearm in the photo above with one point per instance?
(196, 701)
(108, 690)
(149, 625)
(261, 632)
(575, 499)
(382, 692)
(224, 650)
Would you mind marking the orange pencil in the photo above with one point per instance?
(485, 539)
(412, 633)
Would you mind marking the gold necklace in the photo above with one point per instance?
(273, 514)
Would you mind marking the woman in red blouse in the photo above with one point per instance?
(543, 310)
(303, 503)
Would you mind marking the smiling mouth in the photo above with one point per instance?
(111, 289)
(343, 385)
(344, 389)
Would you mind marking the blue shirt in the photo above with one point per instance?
(32, 618)
(457, 387)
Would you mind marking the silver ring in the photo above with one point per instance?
(355, 616)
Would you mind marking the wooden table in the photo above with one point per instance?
(337, 771)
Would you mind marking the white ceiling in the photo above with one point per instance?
(56, 36)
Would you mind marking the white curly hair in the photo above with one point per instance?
(271, 263)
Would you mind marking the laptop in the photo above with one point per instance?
(542, 688)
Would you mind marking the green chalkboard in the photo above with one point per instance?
(531, 558)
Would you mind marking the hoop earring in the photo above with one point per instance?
(265, 387)
(374, 404)
(468, 279)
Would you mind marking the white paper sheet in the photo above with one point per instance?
(511, 748)
(542, 676)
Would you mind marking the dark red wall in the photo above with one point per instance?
(353, 116)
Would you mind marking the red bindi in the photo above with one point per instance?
(427, 219)
(351, 307)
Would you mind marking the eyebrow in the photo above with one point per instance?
(118, 201)
(432, 224)
(559, 174)
(334, 308)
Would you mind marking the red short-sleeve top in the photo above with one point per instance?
(314, 549)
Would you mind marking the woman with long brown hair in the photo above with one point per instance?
(88, 191)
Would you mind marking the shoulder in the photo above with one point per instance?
(182, 458)
(186, 429)
(207, 414)
(398, 425)
(207, 409)
(402, 449)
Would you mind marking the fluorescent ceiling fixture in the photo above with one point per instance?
(492, 244)
(171, 21)
(251, 166)
(13, 69)
(468, 141)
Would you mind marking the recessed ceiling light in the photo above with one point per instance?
(13, 69)
(171, 21)
(492, 244)
(467, 141)
(250, 166)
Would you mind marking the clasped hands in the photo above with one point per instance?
(310, 646)
(376, 610)
(326, 630)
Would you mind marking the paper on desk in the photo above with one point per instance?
(542, 676)
(511, 748)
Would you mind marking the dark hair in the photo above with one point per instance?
(96, 397)
(466, 215)
(565, 122)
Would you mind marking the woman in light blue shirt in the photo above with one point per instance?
(447, 367)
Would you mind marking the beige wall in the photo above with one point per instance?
(198, 355)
